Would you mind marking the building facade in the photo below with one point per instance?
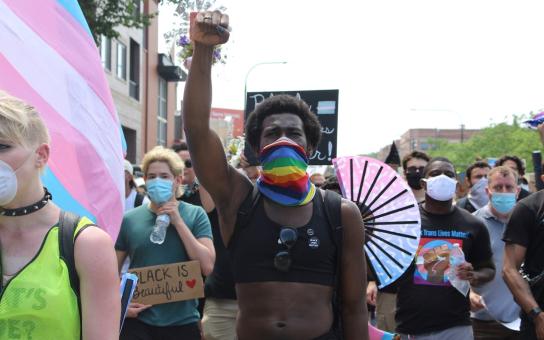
(143, 85)
(419, 139)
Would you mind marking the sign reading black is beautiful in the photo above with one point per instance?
(168, 283)
(323, 103)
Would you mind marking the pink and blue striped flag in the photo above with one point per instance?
(49, 59)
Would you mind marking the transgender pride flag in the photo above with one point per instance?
(49, 59)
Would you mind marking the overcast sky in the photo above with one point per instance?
(398, 64)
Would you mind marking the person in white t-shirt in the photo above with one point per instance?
(133, 198)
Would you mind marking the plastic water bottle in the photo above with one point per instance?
(457, 257)
(159, 231)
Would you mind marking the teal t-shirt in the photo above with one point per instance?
(134, 239)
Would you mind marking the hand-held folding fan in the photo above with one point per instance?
(389, 211)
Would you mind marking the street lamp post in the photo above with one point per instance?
(251, 69)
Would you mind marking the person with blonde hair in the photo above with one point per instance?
(188, 237)
(37, 299)
(492, 304)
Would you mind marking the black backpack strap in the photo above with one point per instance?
(247, 208)
(138, 200)
(68, 223)
(333, 212)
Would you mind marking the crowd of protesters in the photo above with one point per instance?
(280, 251)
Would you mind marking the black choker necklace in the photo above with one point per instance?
(28, 209)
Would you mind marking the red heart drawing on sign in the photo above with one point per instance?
(191, 283)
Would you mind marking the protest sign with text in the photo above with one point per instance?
(168, 283)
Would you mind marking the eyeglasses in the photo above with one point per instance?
(288, 238)
(188, 163)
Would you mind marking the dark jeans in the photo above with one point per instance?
(134, 329)
(492, 330)
(527, 328)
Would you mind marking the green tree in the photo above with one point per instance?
(492, 142)
(183, 11)
(104, 15)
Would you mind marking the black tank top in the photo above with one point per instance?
(220, 283)
(254, 246)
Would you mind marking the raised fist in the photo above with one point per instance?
(210, 28)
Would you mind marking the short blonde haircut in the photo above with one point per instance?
(161, 154)
(20, 123)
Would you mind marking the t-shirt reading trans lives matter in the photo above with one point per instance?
(426, 301)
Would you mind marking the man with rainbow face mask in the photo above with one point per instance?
(492, 304)
(284, 257)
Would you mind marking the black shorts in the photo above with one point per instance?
(330, 335)
(134, 329)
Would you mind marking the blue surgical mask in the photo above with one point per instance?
(159, 190)
(503, 202)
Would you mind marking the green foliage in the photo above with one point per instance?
(182, 13)
(104, 16)
(492, 142)
(371, 155)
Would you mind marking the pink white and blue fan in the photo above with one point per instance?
(390, 214)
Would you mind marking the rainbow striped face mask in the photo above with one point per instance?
(283, 178)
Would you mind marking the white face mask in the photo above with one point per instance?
(8, 184)
(441, 188)
(478, 196)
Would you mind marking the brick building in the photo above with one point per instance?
(143, 84)
(418, 139)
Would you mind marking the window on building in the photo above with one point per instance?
(121, 61)
(105, 52)
(162, 122)
(130, 138)
(137, 8)
(134, 71)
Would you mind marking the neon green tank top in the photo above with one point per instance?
(38, 302)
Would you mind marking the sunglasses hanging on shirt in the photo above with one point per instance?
(288, 238)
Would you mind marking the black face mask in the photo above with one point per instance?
(414, 180)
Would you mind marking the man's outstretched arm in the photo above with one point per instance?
(207, 154)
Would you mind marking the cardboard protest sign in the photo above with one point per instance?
(168, 283)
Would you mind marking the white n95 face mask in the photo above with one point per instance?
(8, 184)
(441, 188)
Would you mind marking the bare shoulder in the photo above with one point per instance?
(350, 213)
(94, 251)
(93, 237)
(352, 223)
